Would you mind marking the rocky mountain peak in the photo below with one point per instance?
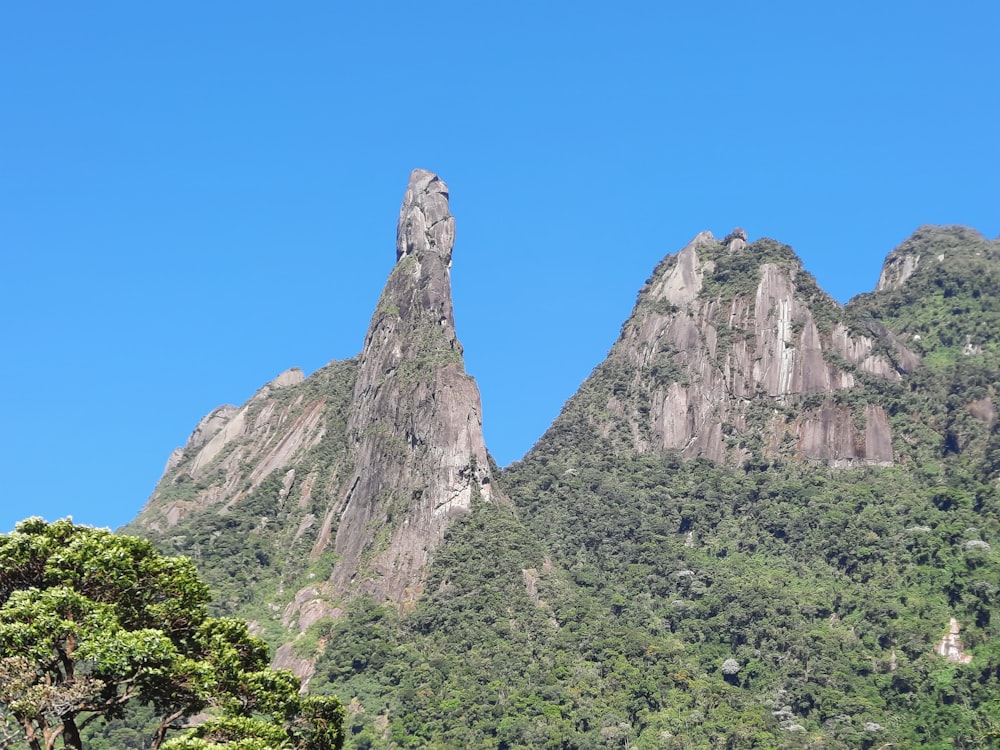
(416, 422)
(935, 246)
(736, 240)
(734, 352)
(351, 475)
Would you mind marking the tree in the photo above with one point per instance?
(92, 621)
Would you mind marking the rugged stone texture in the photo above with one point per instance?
(725, 357)
(736, 241)
(291, 376)
(950, 646)
(233, 450)
(416, 425)
(303, 667)
(897, 268)
(209, 427)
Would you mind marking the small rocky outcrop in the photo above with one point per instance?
(736, 241)
(897, 268)
(950, 646)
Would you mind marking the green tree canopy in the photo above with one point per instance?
(91, 621)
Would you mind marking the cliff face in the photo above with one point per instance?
(733, 351)
(344, 481)
(415, 428)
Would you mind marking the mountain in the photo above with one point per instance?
(734, 353)
(344, 482)
(765, 519)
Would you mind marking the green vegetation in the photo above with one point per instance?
(92, 623)
(949, 303)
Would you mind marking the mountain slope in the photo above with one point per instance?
(416, 424)
(646, 599)
(829, 589)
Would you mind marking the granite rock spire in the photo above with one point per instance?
(416, 423)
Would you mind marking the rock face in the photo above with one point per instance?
(898, 267)
(345, 481)
(234, 449)
(733, 351)
(416, 423)
(950, 646)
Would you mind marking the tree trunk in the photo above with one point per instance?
(31, 735)
(71, 734)
(161, 731)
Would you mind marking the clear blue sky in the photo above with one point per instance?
(196, 196)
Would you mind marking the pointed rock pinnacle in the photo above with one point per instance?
(416, 421)
(425, 222)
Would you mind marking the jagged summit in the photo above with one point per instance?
(736, 241)
(734, 353)
(425, 220)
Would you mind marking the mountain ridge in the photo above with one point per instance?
(355, 513)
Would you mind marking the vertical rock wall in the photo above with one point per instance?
(416, 424)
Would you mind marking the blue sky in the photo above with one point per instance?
(197, 196)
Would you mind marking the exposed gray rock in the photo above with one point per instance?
(303, 667)
(977, 544)
(425, 221)
(897, 268)
(416, 420)
(703, 362)
(176, 456)
(209, 426)
(291, 376)
(736, 241)
(950, 646)
(403, 450)
(683, 283)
